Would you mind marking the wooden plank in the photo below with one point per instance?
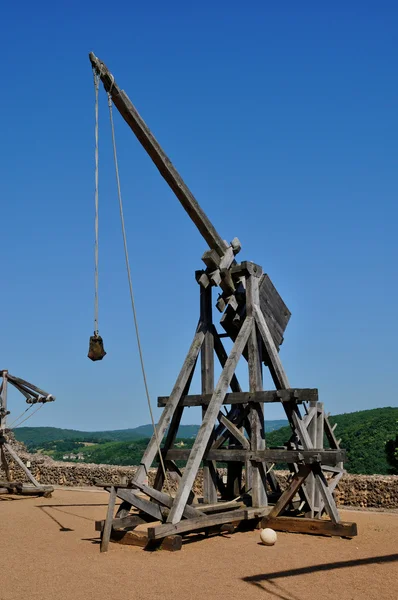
(174, 399)
(4, 463)
(24, 468)
(203, 523)
(256, 414)
(171, 543)
(295, 395)
(326, 494)
(141, 504)
(311, 425)
(238, 417)
(222, 357)
(332, 484)
(204, 433)
(158, 156)
(290, 492)
(269, 455)
(166, 500)
(274, 309)
(106, 534)
(207, 379)
(319, 443)
(28, 385)
(122, 522)
(3, 402)
(234, 431)
(275, 366)
(311, 526)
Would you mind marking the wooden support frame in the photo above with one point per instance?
(32, 395)
(238, 440)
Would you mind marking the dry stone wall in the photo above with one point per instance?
(365, 491)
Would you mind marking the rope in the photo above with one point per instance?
(131, 290)
(96, 88)
(22, 414)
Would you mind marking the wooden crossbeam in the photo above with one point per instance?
(295, 395)
(270, 455)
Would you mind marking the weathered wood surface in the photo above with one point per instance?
(171, 543)
(203, 523)
(326, 457)
(275, 311)
(235, 431)
(311, 526)
(294, 395)
(165, 499)
(275, 365)
(106, 533)
(22, 465)
(292, 489)
(207, 377)
(205, 431)
(123, 522)
(167, 414)
(140, 503)
(158, 156)
(256, 414)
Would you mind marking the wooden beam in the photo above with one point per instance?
(158, 156)
(311, 526)
(237, 434)
(19, 462)
(140, 503)
(207, 379)
(166, 500)
(203, 523)
(290, 492)
(205, 431)
(270, 455)
(255, 471)
(106, 534)
(295, 395)
(277, 371)
(167, 414)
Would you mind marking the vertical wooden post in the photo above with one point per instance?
(106, 533)
(3, 403)
(310, 482)
(256, 416)
(318, 444)
(207, 374)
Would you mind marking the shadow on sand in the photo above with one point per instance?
(265, 581)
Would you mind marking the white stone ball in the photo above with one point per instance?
(268, 536)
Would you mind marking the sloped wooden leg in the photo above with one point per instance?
(106, 533)
(207, 426)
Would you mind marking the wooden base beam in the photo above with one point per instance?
(310, 526)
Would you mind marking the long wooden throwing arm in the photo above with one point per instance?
(162, 162)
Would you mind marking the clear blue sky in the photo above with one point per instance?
(283, 121)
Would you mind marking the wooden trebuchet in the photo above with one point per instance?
(254, 317)
(33, 395)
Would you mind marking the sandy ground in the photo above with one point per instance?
(50, 550)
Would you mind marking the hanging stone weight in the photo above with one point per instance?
(96, 348)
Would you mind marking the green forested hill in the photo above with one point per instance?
(363, 434)
(37, 437)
